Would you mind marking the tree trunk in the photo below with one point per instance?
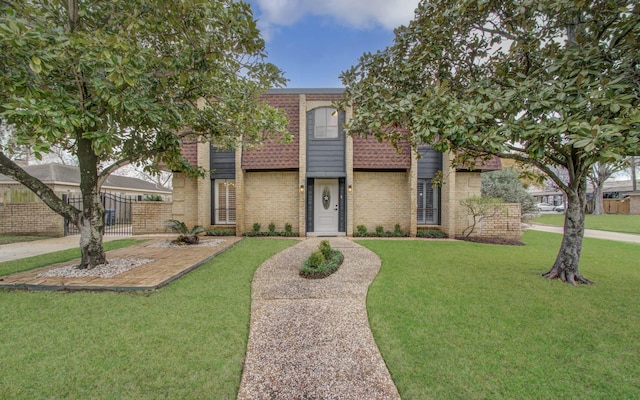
(91, 222)
(565, 267)
(598, 208)
(91, 231)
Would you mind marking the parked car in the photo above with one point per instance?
(559, 208)
(544, 207)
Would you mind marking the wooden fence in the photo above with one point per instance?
(617, 206)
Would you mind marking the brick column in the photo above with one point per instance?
(204, 186)
(413, 194)
(448, 192)
(302, 166)
(240, 200)
(349, 180)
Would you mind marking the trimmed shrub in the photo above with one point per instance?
(379, 230)
(316, 259)
(221, 232)
(325, 249)
(256, 227)
(361, 230)
(431, 233)
(288, 229)
(318, 266)
(272, 227)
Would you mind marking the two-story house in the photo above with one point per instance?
(323, 183)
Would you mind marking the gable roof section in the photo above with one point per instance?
(273, 154)
(370, 154)
(70, 175)
(480, 165)
(189, 150)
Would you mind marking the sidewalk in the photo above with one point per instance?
(310, 338)
(15, 251)
(591, 233)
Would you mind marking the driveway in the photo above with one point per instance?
(590, 233)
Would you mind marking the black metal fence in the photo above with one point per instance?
(118, 214)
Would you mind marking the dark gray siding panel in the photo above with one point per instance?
(310, 187)
(222, 164)
(430, 163)
(325, 157)
(342, 209)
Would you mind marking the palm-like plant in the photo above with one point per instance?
(186, 235)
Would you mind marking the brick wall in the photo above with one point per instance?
(271, 197)
(381, 198)
(30, 219)
(185, 199)
(150, 216)
(504, 223)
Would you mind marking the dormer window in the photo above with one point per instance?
(325, 123)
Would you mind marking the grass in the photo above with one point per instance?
(461, 320)
(8, 239)
(607, 222)
(185, 341)
(25, 264)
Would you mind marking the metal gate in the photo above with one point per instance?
(117, 214)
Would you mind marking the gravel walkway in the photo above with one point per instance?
(310, 339)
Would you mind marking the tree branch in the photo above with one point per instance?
(11, 169)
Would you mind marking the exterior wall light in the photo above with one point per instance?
(350, 188)
(301, 188)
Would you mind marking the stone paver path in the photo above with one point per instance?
(310, 339)
(169, 264)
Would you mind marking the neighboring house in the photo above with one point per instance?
(611, 191)
(126, 212)
(324, 183)
(65, 182)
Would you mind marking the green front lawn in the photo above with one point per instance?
(607, 222)
(25, 264)
(460, 320)
(185, 341)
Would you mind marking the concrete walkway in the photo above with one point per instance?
(16, 251)
(310, 339)
(591, 233)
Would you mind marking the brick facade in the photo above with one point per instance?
(150, 216)
(30, 219)
(381, 198)
(185, 199)
(505, 220)
(271, 197)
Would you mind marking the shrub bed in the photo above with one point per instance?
(431, 233)
(321, 263)
(361, 231)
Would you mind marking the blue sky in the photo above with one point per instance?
(313, 41)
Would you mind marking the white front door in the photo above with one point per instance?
(325, 209)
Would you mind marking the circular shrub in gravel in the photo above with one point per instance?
(328, 267)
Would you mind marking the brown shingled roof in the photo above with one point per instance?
(492, 164)
(274, 154)
(368, 153)
(189, 149)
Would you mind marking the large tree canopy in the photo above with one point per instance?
(552, 83)
(124, 81)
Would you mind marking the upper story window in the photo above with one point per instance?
(325, 123)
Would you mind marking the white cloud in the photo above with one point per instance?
(356, 13)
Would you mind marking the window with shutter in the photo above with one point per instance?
(427, 212)
(225, 201)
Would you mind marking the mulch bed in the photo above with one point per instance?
(502, 241)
